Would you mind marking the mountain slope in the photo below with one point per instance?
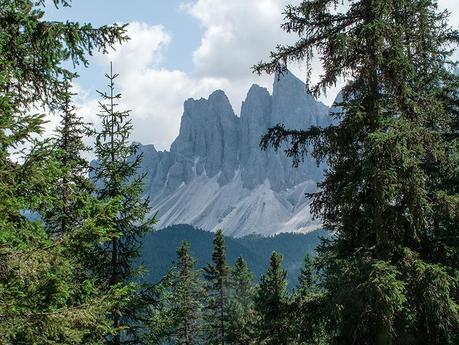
(216, 176)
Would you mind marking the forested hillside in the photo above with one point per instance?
(160, 246)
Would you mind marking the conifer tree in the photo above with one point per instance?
(74, 217)
(241, 310)
(388, 193)
(188, 294)
(40, 299)
(160, 322)
(306, 277)
(216, 276)
(116, 174)
(309, 326)
(175, 316)
(75, 212)
(74, 181)
(272, 305)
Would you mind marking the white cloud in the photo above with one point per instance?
(144, 49)
(153, 94)
(223, 61)
(237, 34)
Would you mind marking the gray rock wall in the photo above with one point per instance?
(215, 144)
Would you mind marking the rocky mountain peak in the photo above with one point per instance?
(215, 174)
(287, 82)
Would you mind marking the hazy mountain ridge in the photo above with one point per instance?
(216, 176)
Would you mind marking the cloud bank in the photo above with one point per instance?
(236, 35)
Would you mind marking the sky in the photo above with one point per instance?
(182, 49)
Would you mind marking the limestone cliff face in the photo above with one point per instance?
(208, 139)
(215, 174)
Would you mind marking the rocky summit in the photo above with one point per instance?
(216, 176)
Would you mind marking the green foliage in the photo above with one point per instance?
(160, 321)
(188, 292)
(391, 184)
(69, 246)
(264, 314)
(241, 318)
(175, 317)
(376, 293)
(159, 250)
(116, 175)
(306, 308)
(216, 276)
(241, 310)
(31, 54)
(306, 278)
(43, 297)
(431, 298)
(272, 305)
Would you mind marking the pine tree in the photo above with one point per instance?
(241, 310)
(41, 301)
(74, 216)
(272, 305)
(216, 275)
(188, 294)
(175, 316)
(392, 156)
(75, 213)
(306, 277)
(309, 327)
(116, 172)
(74, 181)
(160, 322)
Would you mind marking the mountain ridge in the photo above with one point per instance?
(216, 176)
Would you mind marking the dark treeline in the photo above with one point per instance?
(390, 192)
(256, 250)
(223, 305)
(67, 273)
(389, 274)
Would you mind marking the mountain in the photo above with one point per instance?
(216, 176)
(159, 250)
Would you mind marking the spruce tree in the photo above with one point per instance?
(241, 310)
(306, 277)
(272, 305)
(175, 316)
(158, 320)
(41, 301)
(216, 276)
(116, 173)
(75, 212)
(309, 326)
(73, 216)
(388, 193)
(188, 294)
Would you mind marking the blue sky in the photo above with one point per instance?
(181, 49)
(184, 28)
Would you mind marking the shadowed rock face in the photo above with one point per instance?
(215, 174)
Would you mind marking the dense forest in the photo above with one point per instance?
(387, 273)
